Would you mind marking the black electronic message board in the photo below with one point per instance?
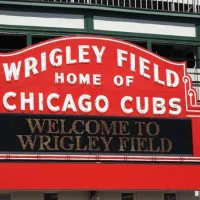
(92, 134)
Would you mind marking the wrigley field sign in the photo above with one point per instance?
(30, 133)
(95, 76)
(84, 95)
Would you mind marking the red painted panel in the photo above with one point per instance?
(35, 70)
(196, 136)
(28, 176)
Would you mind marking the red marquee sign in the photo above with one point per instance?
(95, 76)
(102, 77)
(99, 76)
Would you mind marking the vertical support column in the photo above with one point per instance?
(88, 22)
(198, 48)
(28, 39)
(149, 47)
(198, 58)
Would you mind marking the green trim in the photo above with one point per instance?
(198, 57)
(165, 38)
(89, 29)
(28, 39)
(121, 35)
(34, 29)
(198, 31)
(198, 48)
(88, 22)
(89, 25)
(101, 8)
(149, 46)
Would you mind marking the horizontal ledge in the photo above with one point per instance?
(102, 8)
(98, 158)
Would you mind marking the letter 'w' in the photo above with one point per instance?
(35, 125)
(28, 141)
(12, 70)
